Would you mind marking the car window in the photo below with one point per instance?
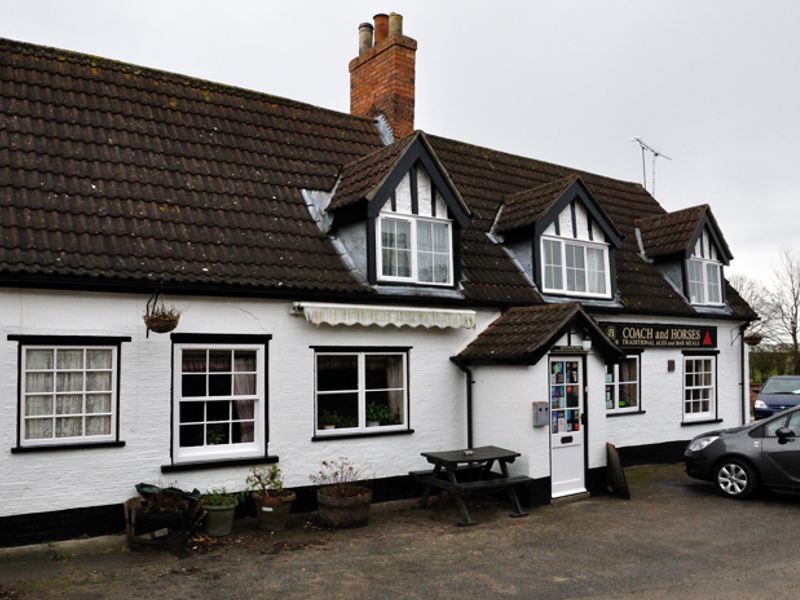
(782, 386)
(794, 423)
(773, 426)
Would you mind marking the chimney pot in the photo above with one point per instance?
(381, 27)
(395, 24)
(364, 37)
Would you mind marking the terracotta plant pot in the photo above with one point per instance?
(219, 519)
(344, 511)
(272, 511)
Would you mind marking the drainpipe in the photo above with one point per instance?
(745, 399)
(468, 373)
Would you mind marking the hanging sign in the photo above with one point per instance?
(652, 335)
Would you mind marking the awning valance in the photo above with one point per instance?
(399, 316)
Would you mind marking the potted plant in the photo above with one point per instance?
(379, 414)
(158, 317)
(220, 507)
(341, 502)
(273, 503)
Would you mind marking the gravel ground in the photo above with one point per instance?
(675, 539)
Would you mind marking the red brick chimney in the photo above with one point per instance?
(382, 76)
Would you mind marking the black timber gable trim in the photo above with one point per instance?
(709, 223)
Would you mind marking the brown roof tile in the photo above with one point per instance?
(524, 208)
(670, 233)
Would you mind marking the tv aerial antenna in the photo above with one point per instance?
(655, 154)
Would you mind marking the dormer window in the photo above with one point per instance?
(704, 273)
(415, 246)
(574, 267)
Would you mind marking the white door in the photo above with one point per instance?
(566, 428)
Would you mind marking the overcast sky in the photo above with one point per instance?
(713, 84)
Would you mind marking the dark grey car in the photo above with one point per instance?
(739, 460)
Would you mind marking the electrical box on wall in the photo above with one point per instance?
(541, 414)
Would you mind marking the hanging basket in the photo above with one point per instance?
(161, 323)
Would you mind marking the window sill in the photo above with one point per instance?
(703, 422)
(218, 464)
(360, 434)
(55, 448)
(625, 414)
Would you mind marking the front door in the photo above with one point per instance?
(566, 428)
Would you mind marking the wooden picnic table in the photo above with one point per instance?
(478, 462)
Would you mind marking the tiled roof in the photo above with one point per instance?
(522, 333)
(670, 233)
(364, 174)
(524, 208)
(116, 173)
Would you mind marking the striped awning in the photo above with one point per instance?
(318, 313)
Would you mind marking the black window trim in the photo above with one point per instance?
(67, 340)
(354, 350)
(218, 338)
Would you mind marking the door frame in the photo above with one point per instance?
(581, 355)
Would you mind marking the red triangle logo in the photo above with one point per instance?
(707, 339)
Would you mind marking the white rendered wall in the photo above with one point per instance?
(61, 479)
(662, 391)
(503, 414)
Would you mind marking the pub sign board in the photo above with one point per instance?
(656, 335)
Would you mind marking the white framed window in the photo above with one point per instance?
(219, 401)
(705, 281)
(622, 386)
(68, 395)
(360, 392)
(574, 267)
(699, 388)
(414, 249)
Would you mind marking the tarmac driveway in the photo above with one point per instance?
(675, 539)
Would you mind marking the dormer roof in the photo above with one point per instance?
(532, 211)
(676, 233)
(372, 178)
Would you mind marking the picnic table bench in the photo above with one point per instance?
(477, 464)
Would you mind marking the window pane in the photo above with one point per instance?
(337, 410)
(440, 237)
(629, 370)
(714, 290)
(191, 435)
(243, 432)
(244, 385)
(552, 261)
(245, 360)
(384, 371)
(218, 411)
(404, 263)
(388, 263)
(39, 359)
(386, 407)
(69, 359)
(576, 270)
(220, 385)
(424, 236)
(243, 409)
(69, 427)
(425, 266)
(596, 270)
(38, 429)
(38, 382)
(193, 385)
(38, 405)
(610, 399)
(98, 382)
(695, 274)
(98, 425)
(192, 412)
(403, 235)
(69, 405)
(217, 433)
(98, 403)
(69, 382)
(336, 372)
(98, 359)
(628, 395)
(441, 268)
(194, 361)
(219, 360)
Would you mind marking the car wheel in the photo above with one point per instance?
(735, 478)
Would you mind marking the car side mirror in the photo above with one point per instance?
(784, 433)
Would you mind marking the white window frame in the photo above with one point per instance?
(361, 427)
(705, 264)
(712, 399)
(256, 448)
(616, 383)
(412, 220)
(563, 241)
(66, 441)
